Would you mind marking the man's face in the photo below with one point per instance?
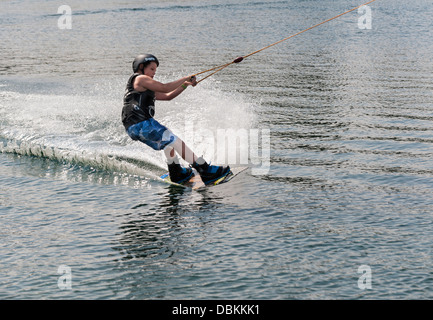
(150, 70)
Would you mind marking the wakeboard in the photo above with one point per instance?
(195, 181)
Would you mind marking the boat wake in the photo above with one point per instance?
(84, 132)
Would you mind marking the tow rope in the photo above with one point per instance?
(239, 59)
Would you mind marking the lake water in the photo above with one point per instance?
(335, 126)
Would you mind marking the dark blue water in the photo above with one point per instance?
(335, 126)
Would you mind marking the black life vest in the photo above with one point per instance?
(137, 106)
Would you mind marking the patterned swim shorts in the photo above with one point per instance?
(152, 133)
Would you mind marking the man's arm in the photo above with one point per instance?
(142, 83)
(173, 94)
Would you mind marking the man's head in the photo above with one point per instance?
(142, 61)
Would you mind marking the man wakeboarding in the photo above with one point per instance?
(138, 118)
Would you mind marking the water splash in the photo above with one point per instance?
(84, 128)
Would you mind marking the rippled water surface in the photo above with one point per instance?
(335, 126)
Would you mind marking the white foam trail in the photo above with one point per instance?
(87, 130)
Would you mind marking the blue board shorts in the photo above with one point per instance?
(152, 133)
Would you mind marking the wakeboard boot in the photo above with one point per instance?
(179, 174)
(209, 173)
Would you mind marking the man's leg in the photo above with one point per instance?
(207, 172)
(171, 155)
(182, 149)
(177, 173)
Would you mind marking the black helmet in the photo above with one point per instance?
(143, 58)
